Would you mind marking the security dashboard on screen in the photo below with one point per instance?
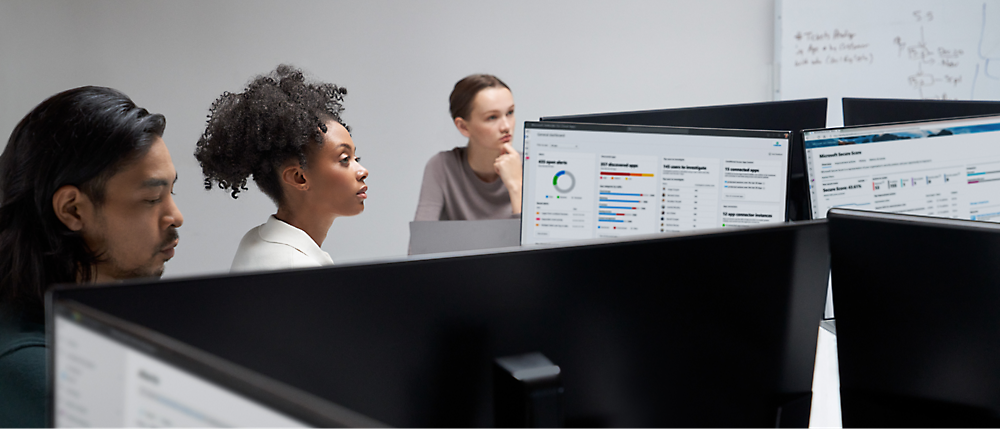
(948, 168)
(585, 181)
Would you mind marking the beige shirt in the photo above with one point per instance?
(452, 191)
(276, 245)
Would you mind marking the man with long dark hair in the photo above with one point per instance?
(86, 187)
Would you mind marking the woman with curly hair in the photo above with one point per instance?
(288, 134)
(483, 179)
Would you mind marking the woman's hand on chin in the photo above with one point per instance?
(508, 167)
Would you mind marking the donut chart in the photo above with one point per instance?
(568, 182)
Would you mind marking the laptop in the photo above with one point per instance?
(458, 235)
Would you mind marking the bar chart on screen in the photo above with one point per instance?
(626, 189)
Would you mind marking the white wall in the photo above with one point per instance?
(399, 60)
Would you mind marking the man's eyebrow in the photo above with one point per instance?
(156, 183)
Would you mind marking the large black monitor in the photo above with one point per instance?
(867, 111)
(708, 329)
(918, 336)
(792, 115)
(585, 181)
(946, 168)
(110, 372)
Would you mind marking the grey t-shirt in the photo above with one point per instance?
(452, 191)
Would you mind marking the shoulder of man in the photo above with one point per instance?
(22, 381)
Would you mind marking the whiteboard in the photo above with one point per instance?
(918, 49)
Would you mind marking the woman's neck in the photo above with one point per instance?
(317, 226)
(481, 161)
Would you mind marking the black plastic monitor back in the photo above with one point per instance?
(710, 329)
(867, 111)
(918, 332)
(792, 115)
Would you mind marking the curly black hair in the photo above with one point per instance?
(270, 122)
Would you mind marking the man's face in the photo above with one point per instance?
(135, 229)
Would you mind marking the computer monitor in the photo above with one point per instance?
(713, 328)
(793, 115)
(585, 181)
(108, 372)
(941, 168)
(917, 331)
(868, 111)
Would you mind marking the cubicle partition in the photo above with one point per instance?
(918, 332)
(706, 329)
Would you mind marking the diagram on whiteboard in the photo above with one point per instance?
(937, 69)
(986, 82)
(929, 49)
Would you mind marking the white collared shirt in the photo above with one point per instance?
(276, 245)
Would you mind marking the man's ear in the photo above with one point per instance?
(72, 207)
(292, 175)
(462, 127)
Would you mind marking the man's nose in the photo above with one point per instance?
(174, 217)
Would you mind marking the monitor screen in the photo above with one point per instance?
(111, 373)
(869, 111)
(585, 181)
(793, 115)
(943, 168)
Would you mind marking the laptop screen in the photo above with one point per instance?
(947, 168)
(111, 373)
(585, 181)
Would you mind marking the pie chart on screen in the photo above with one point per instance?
(564, 181)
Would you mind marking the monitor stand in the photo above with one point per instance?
(527, 392)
